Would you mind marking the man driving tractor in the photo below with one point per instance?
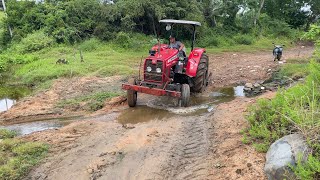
(174, 44)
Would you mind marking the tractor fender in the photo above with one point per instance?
(193, 61)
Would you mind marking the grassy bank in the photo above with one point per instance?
(33, 61)
(295, 110)
(17, 157)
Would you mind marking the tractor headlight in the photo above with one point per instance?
(149, 69)
(158, 70)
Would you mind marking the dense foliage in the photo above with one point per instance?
(74, 20)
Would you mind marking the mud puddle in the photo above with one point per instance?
(9, 95)
(162, 108)
(6, 104)
(30, 127)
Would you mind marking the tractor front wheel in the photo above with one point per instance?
(201, 79)
(132, 95)
(185, 95)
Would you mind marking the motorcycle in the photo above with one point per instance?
(277, 52)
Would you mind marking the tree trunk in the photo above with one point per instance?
(258, 13)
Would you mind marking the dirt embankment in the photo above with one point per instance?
(205, 146)
(43, 105)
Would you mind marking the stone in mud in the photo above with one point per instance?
(256, 85)
(248, 85)
(285, 151)
(246, 89)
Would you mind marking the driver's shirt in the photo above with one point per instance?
(175, 45)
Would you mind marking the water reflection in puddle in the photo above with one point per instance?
(30, 127)
(10, 94)
(6, 104)
(239, 91)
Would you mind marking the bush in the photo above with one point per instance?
(34, 42)
(276, 28)
(90, 45)
(244, 39)
(123, 40)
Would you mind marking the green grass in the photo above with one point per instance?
(292, 110)
(100, 58)
(13, 92)
(92, 102)
(5, 134)
(103, 61)
(17, 157)
(293, 69)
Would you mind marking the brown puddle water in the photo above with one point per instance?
(149, 108)
(30, 127)
(161, 108)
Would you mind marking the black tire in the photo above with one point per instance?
(185, 95)
(200, 81)
(132, 95)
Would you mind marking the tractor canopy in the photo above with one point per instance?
(173, 21)
(169, 23)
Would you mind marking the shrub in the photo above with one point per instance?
(123, 40)
(276, 27)
(34, 42)
(244, 39)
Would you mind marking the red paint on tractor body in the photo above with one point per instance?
(167, 58)
(152, 91)
(193, 61)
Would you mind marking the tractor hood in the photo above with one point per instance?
(165, 54)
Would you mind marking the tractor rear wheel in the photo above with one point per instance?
(131, 94)
(201, 79)
(185, 95)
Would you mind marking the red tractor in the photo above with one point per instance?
(168, 72)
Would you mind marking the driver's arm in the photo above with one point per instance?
(181, 46)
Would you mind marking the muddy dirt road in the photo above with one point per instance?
(168, 143)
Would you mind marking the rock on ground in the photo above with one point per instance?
(285, 151)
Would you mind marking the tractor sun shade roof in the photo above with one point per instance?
(173, 21)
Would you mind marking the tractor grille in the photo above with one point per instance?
(153, 75)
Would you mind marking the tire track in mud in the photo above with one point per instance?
(190, 151)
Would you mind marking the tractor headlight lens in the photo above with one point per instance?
(158, 70)
(149, 69)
